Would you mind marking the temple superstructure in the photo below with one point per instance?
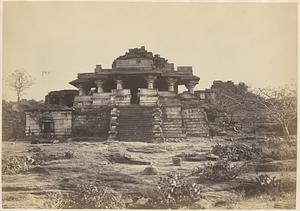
(138, 77)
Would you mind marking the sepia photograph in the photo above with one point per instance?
(149, 105)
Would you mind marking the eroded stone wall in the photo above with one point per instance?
(91, 121)
(62, 122)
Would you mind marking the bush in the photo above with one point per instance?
(69, 155)
(15, 165)
(221, 171)
(279, 149)
(173, 192)
(265, 184)
(236, 151)
(87, 196)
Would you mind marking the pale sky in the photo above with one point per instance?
(251, 42)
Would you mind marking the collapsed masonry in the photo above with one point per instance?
(137, 99)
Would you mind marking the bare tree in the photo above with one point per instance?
(280, 105)
(19, 81)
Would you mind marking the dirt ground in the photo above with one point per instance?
(91, 163)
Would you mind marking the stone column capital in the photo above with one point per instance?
(119, 82)
(190, 85)
(171, 81)
(99, 82)
(150, 79)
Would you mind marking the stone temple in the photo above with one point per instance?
(137, 99)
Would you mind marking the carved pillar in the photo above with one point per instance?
(150, 79)
(171, 82)
(119, 83)
(99, 84)
(81, 90)
(190, 85)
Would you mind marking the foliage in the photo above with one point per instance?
(266, 184)
(173, 192)
(221, 171)
(279, 149)
(19, 81)
(87, 196)
(236, 151)
(13, 117)
(15, 165)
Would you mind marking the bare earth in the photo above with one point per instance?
(91, 163)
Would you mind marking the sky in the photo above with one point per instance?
(255, 43)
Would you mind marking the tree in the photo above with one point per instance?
(230, 99)
(19, 81)
(280, 105)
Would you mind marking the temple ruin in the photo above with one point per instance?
(137, 99)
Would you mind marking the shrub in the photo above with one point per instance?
(69, 155)
(87, 196)
(220, 171)
(15, 165)
(173, 192)
(236, 151)
(265, 184)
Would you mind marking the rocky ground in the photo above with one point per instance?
(59, 167)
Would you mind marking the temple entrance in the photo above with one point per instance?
(134, 96)
(135, 83)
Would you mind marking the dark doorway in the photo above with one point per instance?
(47, 127)
(68, 100)
(134, 96)
(135, 83)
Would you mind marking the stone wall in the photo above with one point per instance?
(91, 121)
(62, 122)
(148, 97)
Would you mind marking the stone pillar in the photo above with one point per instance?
(190, 85)
(171, 82)
(150, 79)
(119, 83)
(99, 84)
(81, 90)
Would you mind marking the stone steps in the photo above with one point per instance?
(135, 123)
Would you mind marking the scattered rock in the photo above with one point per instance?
(150, 170)
(125, 158)
(193, 157)
(212, 157)
(176, 161)
(222, 133)
(55, 142)
(34, 149)
(146, 149)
